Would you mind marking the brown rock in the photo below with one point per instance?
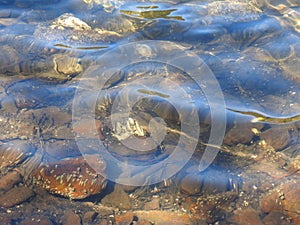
(246, 217)
(153, 217)
(164, 217)
(118, 198)
(15, 196)
(238, 134)
(73, 178)
(71, 218)
(9, 180)
(103, 211)
(191, 184)
(124, 219)
(275, 218)
(153, 204)
(284, 199)
(215, 182)
(89, 216)
(36, 220)
(277, 137)
(270, 167)
(271, 202)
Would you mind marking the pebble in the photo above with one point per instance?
(89, 216)
(71, 218)
(237, 135)
(15, 196)
(191, 184)
(126, 218)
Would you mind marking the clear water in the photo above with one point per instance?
(205, 67)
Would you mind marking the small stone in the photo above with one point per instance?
(215, 182)
(238, 135)
(124, 219)
(153, 204)
(15, 196)
(89, 216)
(191, 184)
(71, 218)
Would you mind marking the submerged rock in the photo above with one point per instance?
(72, 178)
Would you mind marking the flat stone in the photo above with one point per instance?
(16, 196)
(74, 178)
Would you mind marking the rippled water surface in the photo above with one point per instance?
(140, 109)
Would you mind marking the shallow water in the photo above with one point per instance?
(186, 100)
